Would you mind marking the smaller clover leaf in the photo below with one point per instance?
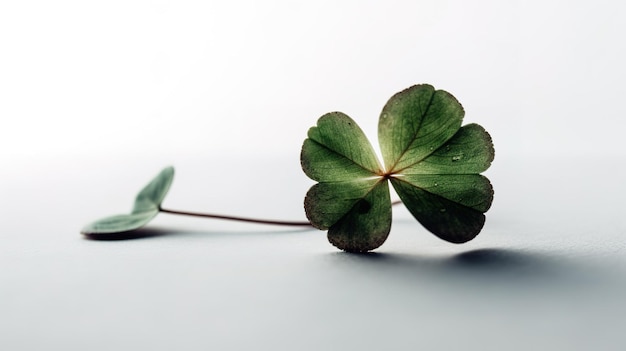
(119, 223)
(153, 194)
(147, 205)
(431, 161)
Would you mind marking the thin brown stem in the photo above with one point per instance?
(234, 218)
(245, 219)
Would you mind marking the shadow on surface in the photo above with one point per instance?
(141, 233)
(497, 266)
(152, 232)
(486, 258)
(497, 259)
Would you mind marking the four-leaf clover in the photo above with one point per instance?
(431, 161)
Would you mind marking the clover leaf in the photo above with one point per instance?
(147, 206)
(431, 161)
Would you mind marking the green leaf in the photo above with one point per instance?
(357, 214)
(146, 207)
(119, 223)
(444, 191)
(449, 206)
(414, 123)
(152, 195)
(352, 198)
(337, 149)
(470, 190)
(432, 163)
(469, 151)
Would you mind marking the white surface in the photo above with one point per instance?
(547, 272)
(97, 98)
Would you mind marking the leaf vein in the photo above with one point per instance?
(343, 156)
(419, 127)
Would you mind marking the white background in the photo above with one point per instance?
(96, 97)
(143, 77)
